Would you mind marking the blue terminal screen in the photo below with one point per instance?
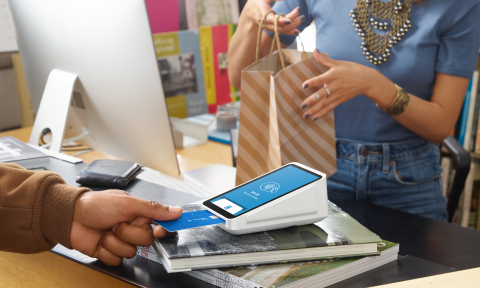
(263, 190)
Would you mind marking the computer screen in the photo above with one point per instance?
(118, 98)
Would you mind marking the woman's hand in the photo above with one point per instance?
(108, 224)
(255, 9)
(345, 80)
(243, 45)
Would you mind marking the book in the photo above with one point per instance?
(337, 236)
(149, 253)
(180, 65)
(473, 139)
(163, 15)
(474, 205)
(308, 274)
(476, 148)
(213, 46)
(14, 150)
(211, 12)
(471, 110)
(405, 268)
(210, 121)
(317, 273)
(464, 114)
(212, 280)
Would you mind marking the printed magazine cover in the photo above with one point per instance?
(338, 228)
(279, 275)
(14, 150)
(180, 65)
(213, 46)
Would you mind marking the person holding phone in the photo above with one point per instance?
(398, 73)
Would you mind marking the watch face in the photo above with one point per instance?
(260, 191)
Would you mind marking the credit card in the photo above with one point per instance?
(191, 220)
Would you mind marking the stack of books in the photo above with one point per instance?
(314, 255)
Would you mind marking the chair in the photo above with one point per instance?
(462, 159)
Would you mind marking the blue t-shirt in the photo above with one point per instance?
(444, 37)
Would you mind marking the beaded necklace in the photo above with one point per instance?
(370, 15)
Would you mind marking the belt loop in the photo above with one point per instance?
(386, 158)
(359, 152)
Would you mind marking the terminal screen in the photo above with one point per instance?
(263, 190)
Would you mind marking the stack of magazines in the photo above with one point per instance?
(315, 255)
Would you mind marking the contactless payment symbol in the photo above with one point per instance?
(271, 187)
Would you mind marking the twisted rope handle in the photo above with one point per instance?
(276, 39)
(259, 35)
(304, 53)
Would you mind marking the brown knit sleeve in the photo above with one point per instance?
(36, 209)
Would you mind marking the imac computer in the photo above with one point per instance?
(92, 73)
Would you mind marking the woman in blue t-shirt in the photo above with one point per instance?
(398, 74)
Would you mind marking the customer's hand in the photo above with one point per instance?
(255, 9)
(345, 80)
(96, 213)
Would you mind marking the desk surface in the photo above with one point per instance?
(191, 158)
(51, 270)
(435, 241)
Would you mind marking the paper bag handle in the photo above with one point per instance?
(276, 39)
(259, 35)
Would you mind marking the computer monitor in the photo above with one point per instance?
(95, 65)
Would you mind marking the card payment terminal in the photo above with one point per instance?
(291, 195)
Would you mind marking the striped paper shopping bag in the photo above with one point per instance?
(272, 131)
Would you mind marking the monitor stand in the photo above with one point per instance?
(53, 110)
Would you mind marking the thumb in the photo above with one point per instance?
(150, 209)
(323, 59)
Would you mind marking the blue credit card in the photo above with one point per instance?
(191, 220)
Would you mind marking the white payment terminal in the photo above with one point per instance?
(291, 195)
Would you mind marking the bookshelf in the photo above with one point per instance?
(469, 204)
(475, 156)
(467, 132)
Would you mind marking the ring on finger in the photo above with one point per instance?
(328, 91)
(318, 96)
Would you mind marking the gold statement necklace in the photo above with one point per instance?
(372, 15)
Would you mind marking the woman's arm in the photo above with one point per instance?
(433, 120)
(242, 47)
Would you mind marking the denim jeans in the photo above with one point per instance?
(404, 175)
